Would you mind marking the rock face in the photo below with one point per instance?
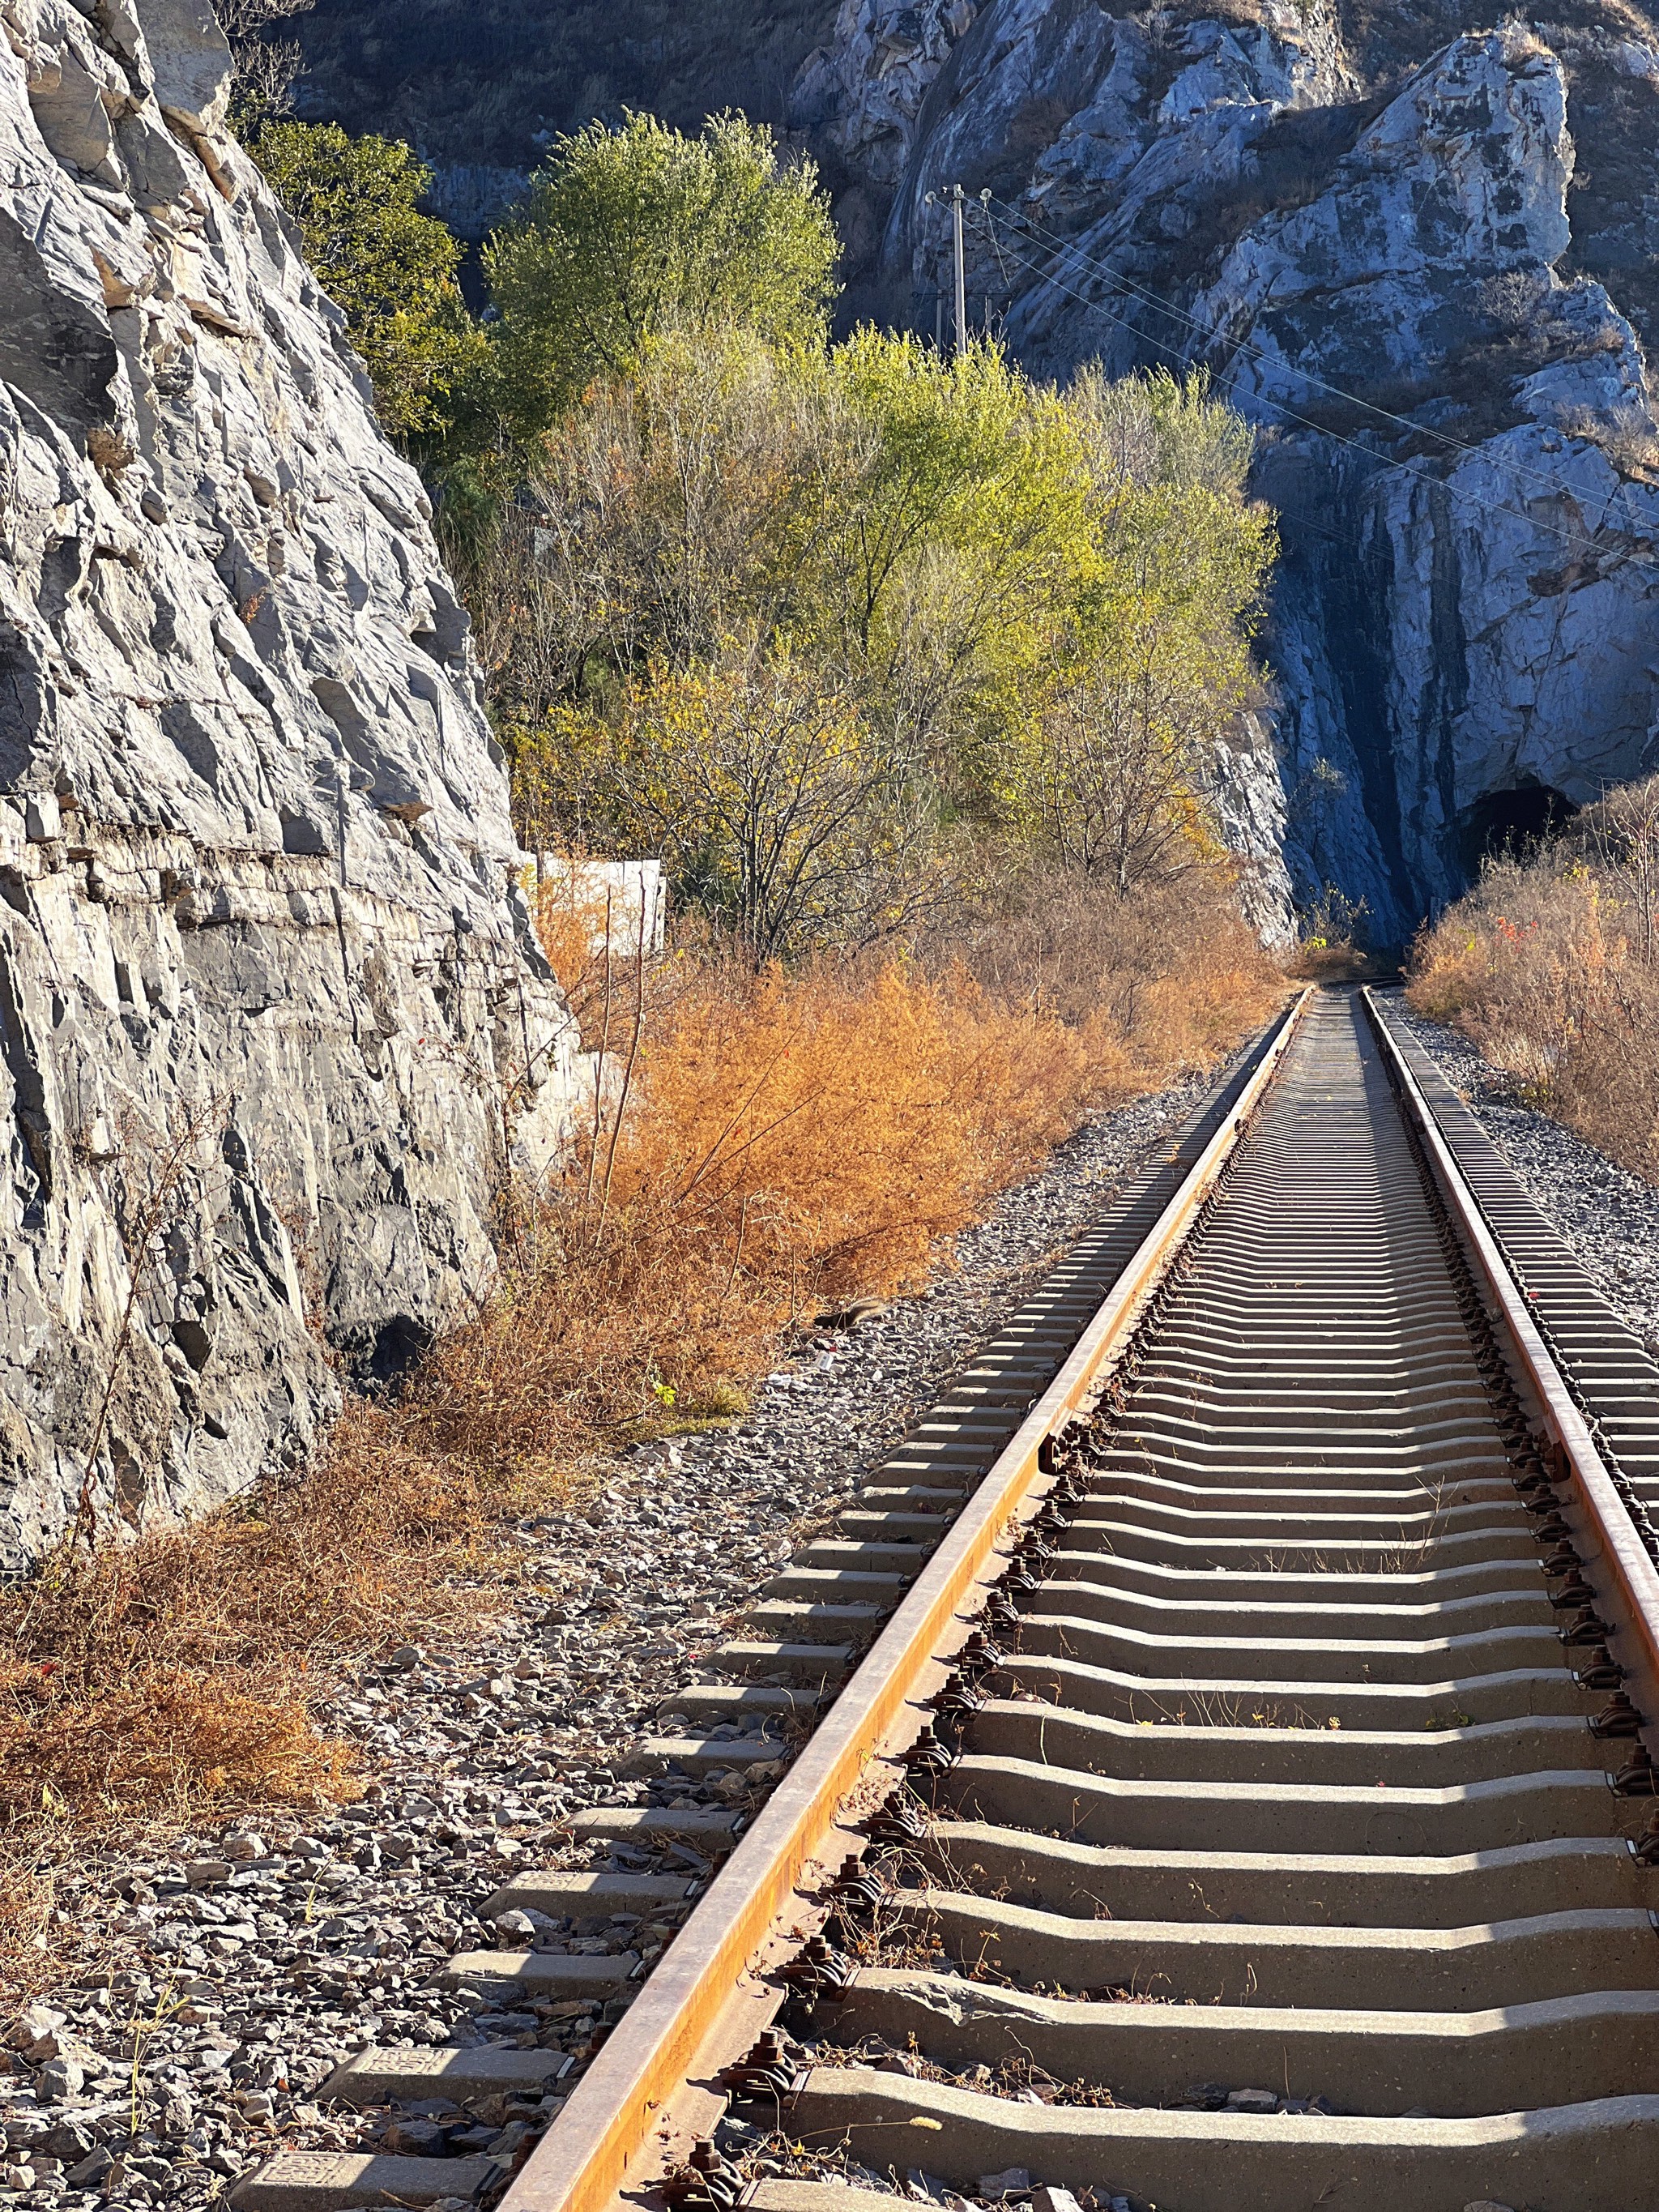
(1422, 258)
(862, 94)
(273, 1024)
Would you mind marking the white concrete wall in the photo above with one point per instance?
(635, 889)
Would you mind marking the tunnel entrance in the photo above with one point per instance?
(1513, 822)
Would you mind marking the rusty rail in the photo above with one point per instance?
(595, 2146)
(1632, 1574)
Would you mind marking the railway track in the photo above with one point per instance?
(1240, 1802)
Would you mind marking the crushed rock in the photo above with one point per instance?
(1608, 1216)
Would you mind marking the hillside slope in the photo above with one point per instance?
(1423, 254)
(1422, 260)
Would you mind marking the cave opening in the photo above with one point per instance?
(1514, 822)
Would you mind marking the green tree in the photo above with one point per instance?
(951, 558)
(391, 270)
(641, 229)
(1035, 604)
(663, 513)
(1119, 773)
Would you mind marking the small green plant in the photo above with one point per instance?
(720, 1399)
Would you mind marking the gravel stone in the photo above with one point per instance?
(1608, 1217)
(236, 1968)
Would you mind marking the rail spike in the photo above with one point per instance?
(898, 1823)
(706, 2183)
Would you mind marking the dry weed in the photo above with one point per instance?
(179, 1675)
(30, 1951)
(1549, 966)
(783, 1140)
(1154, 986)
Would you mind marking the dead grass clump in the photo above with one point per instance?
(783, 1140)
(179, 1674)
(1161, 983)
(762, 1145)
(1550, 966)
(1331, 946)
(27, 1957)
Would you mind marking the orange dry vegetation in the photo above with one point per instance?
(180, 1670)
(785, 1141)
(761, 1145)
(767, 1143)
(1552, 969)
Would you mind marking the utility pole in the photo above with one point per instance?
(956, 199)
(961, 280)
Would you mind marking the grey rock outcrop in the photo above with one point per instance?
(473, 197)
(1476, 616)
(1396, 263)
(274, 1028)
(863, 93)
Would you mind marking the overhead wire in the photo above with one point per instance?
(1574, 540)
(1214, 333)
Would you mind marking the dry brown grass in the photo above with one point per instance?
(761, 1144)
(1151, 986)
(1550, 966)
(180, 1673)
(784, 1140)
(27, 1953)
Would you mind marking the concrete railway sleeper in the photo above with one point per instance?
(1243, 1799)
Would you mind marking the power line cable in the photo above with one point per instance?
(1214, 333)
(1380, 461)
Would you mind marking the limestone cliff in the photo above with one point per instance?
(1422, 258)
(271, 1013)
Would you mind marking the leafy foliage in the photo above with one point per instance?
(762, 784)
(1127, 745)
(632, 231)
(1034, 605)
(390, 269)
(825, 625)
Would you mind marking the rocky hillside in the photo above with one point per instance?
(1422, 252)
(269, 1005)
(1422, 256)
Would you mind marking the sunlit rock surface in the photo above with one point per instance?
(275, 1031)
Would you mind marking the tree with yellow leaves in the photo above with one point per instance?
(762, 784)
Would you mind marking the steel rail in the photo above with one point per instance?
(1634, 1576)
(593, 2149)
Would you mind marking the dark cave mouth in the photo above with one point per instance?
(1513, 822)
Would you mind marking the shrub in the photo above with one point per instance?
(1550, 965)
(390, 269)
(632, 231)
